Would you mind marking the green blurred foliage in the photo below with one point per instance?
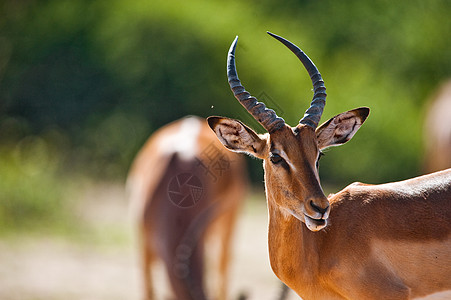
(104, 74)
(31, 194)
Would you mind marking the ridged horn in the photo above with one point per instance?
(313, 114)
(266, 117)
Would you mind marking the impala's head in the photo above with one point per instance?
(290, 154)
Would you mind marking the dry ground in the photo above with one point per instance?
(103, 265)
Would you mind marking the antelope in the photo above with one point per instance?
(388, 241)
(186, 190)
(437, 130)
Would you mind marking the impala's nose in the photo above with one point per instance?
(320, 208)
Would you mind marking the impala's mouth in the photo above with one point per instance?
(315, 224)
(318, 221)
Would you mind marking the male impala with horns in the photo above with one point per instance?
(388, 241)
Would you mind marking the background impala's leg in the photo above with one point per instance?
(147, 258)
(224, 256)
(284, 290)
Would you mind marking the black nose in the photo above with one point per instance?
(319, 209)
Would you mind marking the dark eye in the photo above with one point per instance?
(275, 158)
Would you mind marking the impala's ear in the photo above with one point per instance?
(237, 137)
(341, 128)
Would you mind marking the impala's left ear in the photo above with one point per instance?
(341, 128)
(237, 137)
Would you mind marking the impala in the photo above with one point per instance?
(186, 189)
(388, 241)
(437, 129)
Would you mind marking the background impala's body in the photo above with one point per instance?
(172, 228)
(389, 241)
(437, 130)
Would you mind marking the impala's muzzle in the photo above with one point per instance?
(316, 214)
(315, 224)
(323, 210)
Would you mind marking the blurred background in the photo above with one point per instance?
(84, 83)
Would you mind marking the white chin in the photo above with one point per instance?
(314, 225)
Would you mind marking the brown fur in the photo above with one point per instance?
(389, 241)
(177, 235)
(358, 255)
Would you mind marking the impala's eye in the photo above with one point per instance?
(275, 158)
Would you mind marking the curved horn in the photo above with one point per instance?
(266, 117)
(313, 113)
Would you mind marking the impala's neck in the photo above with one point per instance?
(293, 249)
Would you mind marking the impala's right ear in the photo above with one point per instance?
(237, 137)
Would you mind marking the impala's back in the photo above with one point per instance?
(401, 230)
(185, 188)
